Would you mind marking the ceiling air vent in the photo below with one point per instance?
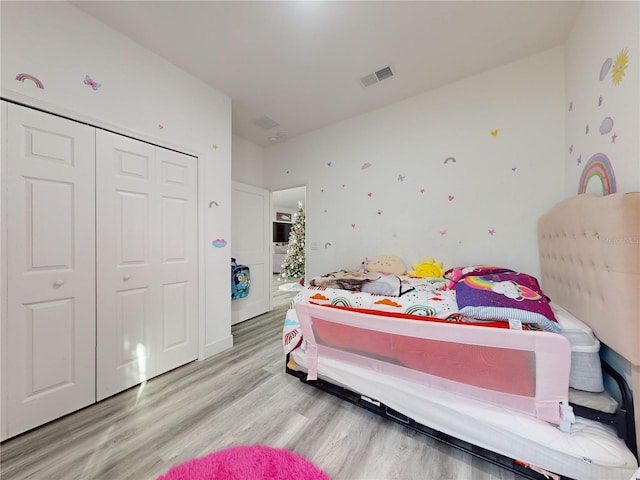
(376, 77)
(266, 123)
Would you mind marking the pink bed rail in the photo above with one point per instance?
(526, 371)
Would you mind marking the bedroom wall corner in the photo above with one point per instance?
(460, 173)
(602, 151)
(247, 162)
(91, 73)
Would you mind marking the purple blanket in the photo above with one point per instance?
(506, 295)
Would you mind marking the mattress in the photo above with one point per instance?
(427, 298)
(586, 369)
(591, 451)
(369, 361)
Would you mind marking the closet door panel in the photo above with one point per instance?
(50, 223)
(50, 268)
(175, 308)
(132, 217)
(50, 326)
(147, 261)
(178, 262)
(131, 325)
(126, 294)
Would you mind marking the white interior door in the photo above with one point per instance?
(50, 322)
(251, 246)
(146, 261)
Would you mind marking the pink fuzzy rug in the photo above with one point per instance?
(254, 462)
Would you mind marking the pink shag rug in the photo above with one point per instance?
(255, 462)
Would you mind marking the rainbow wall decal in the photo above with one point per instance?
(21, 77)
(598, 166)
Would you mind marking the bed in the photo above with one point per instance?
(500, 393)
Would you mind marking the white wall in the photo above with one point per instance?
(248, 163)
(140, 95)
(601, 32)
(380, 183)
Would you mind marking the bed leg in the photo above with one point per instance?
(291, 364)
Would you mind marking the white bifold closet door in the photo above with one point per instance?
(146, 239)
(50, 324)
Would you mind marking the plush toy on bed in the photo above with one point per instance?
(426, 268)
(386, 264)
(453, 276)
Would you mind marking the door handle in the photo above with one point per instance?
(58, 283)
(126, 277)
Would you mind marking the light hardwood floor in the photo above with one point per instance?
(241, 396)
(282, 297)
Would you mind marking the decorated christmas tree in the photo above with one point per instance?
(293, 266)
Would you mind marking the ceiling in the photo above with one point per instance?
(290, 198)
(298, 63)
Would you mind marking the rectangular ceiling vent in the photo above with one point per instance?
(266, 123)
(376, 77)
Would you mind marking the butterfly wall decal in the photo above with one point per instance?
(92, 83)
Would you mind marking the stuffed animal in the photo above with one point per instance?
(386, 264)
(427, 268)
(454, 276)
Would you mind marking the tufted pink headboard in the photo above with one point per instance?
(590, 263)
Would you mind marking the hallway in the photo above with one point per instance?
(282, 296)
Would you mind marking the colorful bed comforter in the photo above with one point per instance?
(482, 295)
(421, 296)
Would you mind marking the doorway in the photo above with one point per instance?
(284, 206)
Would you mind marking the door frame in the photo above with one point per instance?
(3, 266)
(306, 229)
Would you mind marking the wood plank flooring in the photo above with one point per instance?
(241, 396)
(282, 297)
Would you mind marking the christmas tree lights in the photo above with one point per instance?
(293, 266)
